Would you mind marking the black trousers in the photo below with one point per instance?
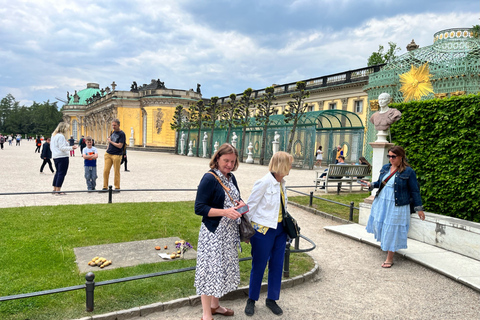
(45, 161)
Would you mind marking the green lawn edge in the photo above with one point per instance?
(38, 255)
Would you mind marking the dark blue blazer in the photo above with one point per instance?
(210, 194)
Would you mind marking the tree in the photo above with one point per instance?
(379, 57)
(199, 117)
(228, 116)
(213, 110)
(295, 110)
(243, 113)
(266, 108)
(176, 124)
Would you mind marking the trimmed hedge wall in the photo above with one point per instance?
(441, 138)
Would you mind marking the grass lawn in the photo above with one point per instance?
(37, 254)
(332, 208)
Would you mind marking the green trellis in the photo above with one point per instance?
(328, 128)
(454, 63)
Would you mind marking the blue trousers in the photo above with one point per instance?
(91, 177)
(61, 166)
(267, 248)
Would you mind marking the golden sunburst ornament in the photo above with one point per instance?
(416, 83)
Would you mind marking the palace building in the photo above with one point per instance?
(145, 112)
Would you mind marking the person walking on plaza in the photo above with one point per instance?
(38, 144)
(19, 138)
(2, 141)
(217, 201)
(90, 154)
(113, 155)
(389, 219)
(71, 142)
(319, 158)
(10, 139)
(60, 151)
(46, 155)
(82, 144)
(268, 244)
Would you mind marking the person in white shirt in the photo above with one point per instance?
(269, 242)
(60, 154)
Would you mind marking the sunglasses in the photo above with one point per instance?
(391, 157)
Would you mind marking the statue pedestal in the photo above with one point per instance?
(380, 151)
(382, 136)
(250, 154)
(275, 146)
(132, 142)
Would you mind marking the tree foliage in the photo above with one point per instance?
(266, 108)
(176, 124)
(442, 139)
(379, 57)
(38, 119)
(229, 115)
(213, 110)
(243, 114)
(296, 109)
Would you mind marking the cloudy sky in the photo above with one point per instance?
(50, 47)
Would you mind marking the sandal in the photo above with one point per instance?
(387, 264)
(228, 312)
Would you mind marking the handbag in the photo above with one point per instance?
(290, 225)
(245, 228)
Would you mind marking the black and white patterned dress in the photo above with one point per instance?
(218, 271)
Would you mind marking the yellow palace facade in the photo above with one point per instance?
(145, 112)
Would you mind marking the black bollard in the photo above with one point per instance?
(286, 264)
(311, 199)
(89, 288)
(351, 211)
(110, 192)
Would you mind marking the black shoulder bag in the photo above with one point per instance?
(245, 228)
(289, 223)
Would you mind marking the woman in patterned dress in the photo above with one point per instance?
(218, 271)
(389, 219)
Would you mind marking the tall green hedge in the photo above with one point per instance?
(442, 142)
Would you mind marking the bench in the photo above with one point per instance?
(342, 173)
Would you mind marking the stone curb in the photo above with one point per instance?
(194, 301)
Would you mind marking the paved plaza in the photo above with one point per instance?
(350, 284)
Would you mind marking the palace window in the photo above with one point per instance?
(359, 106)
(332, 106)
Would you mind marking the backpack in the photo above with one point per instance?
(2, 139)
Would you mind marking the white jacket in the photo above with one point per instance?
(264, 201)
(59, 146)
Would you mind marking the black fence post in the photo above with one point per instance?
(351, 211)
(286, 264)
(311, 199)
(89, 288)
(110, 192)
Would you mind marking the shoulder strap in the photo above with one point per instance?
(384, 182)
(224, 186)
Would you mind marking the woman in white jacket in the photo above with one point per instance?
(60, 153)
(269, 242)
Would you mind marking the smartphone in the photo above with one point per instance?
(362, 182)
(243, 209)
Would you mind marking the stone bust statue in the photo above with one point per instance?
(386, 116)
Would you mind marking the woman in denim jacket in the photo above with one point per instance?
(389, 219)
